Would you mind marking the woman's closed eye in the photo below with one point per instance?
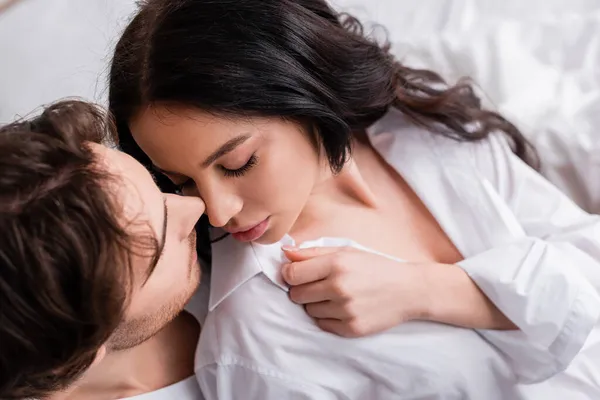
(181, 187)
(252, 161)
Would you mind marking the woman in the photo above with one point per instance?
(292, 125)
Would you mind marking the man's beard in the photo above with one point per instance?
(132, 333)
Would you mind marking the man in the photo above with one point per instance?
(96, 265)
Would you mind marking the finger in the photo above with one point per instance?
(295, 254)
(302, 272)
(327, 310)
(335, 326)
(313, 292)
(344, 328)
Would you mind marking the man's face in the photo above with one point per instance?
(163, 285)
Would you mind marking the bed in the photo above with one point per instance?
(536, 61)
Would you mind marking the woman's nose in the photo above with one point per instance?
(222, 207)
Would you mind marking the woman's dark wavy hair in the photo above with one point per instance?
(296, 59)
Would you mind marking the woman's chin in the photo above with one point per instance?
(268, 239)
(271, 236)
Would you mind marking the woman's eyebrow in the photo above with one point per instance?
(225, 148)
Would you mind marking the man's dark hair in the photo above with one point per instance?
(64, 261)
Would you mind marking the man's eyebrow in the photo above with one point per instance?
(161, 245)
(227, 147)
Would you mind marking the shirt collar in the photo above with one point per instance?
(234, 263)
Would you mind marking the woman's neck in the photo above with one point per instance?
(348, 188)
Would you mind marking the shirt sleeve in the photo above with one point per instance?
(238, 380)
(546, 281)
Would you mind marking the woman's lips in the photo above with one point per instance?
(253, 233)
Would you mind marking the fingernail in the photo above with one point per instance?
(289, 248)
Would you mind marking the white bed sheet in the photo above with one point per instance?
(536, 61)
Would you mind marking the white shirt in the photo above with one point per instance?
(186, 389)
(527, 246)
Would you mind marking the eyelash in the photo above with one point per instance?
(230, 173)
(236, 173)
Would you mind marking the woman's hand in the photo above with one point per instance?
(355, 293)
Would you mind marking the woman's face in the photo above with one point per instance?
(255, 175)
